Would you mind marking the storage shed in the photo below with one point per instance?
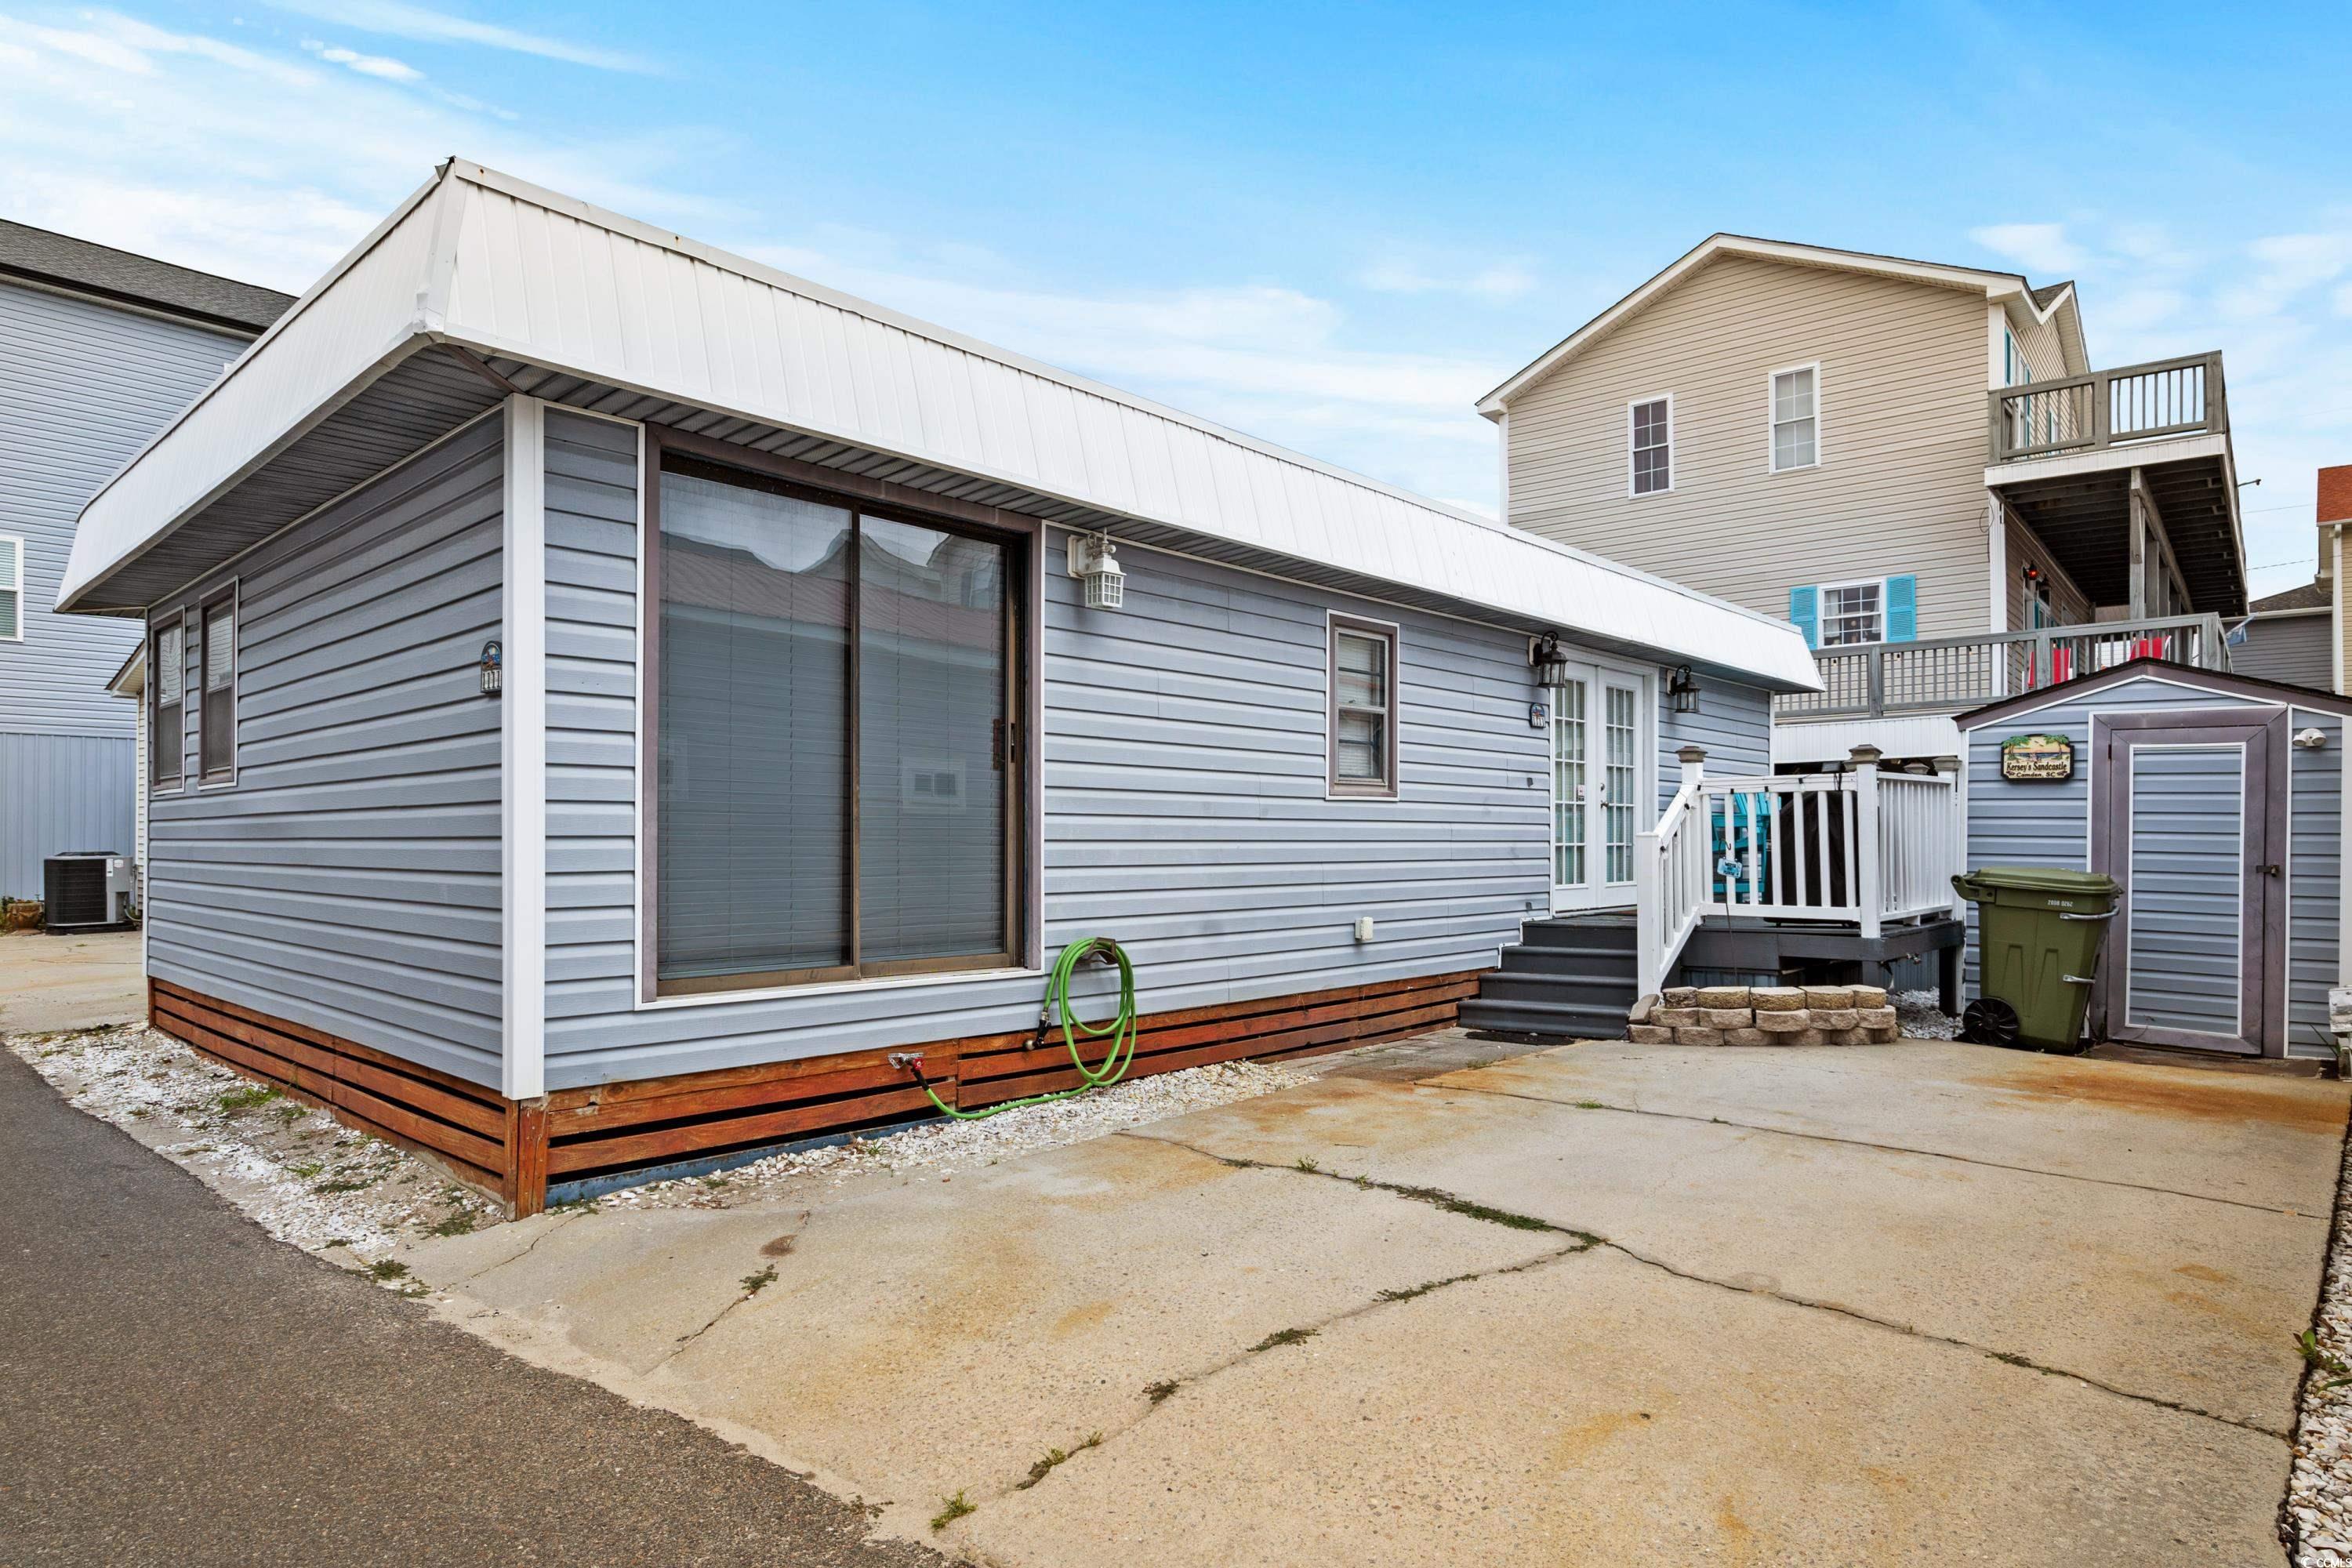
(630, 693)
(2219, 801)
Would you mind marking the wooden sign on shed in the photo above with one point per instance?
(2037, 758)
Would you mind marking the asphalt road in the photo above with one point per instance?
(176, 1387)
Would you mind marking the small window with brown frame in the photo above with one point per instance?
(167, 673)
(216, 718)
(1361, 760)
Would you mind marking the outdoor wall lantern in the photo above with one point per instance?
(491, 659)
(1551, 664)
(1682, 689)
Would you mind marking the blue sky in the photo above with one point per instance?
(1333, 226)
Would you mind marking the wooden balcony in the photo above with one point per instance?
(2162, 400)
(1947, 675)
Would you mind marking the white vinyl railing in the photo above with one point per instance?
(1858, 848)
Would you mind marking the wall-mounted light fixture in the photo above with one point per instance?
(1551, 663)
(1094, 559)
(492, 659)
(1682, 689)
(2311, 740)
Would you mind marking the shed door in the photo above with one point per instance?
(2185, 959)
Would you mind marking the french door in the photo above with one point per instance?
(1604, 723)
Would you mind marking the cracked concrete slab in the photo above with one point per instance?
(1802, 1339)
(2170, 1298)
(1599, 1412)
(925, 1337)
(2268, 1141)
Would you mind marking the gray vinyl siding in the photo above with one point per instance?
(2180, 956)
(349, 879)
(1184, 756)
(82, 387)
(1900, 487)
(2292, 648)
(2316, 878)
(60, 793)
(1733, 722)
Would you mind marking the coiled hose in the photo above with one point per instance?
(1120, 1027)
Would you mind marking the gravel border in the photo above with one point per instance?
(2315, 1518)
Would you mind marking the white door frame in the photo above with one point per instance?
(1596, 892)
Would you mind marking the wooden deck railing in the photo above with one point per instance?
(1856, 849)
(1945, 675)
(2107, 408)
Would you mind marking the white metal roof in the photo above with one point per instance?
(2009, 290)
(510, 272)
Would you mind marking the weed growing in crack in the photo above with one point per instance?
(1283, 1337)
(1424, 1288)
(388, 1269)
(1156, 1392)
(2319, 1359)
(952, 1509)
(1308, 1163)
(1044, 1467)
(1590, 1105)
(1437, 1198)
(755, 1283)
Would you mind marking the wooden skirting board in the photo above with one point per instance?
(513, 1151)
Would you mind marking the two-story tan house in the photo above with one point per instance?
(1915, 463)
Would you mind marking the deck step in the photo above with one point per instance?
(1597, 963)
(1594, 991)
(1551, 1020)
(1594, 936)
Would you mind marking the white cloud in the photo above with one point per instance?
(381, 65)
(1495, 281)
(399, 19)
(2040, 248)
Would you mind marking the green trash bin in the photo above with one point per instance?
(2038, 936)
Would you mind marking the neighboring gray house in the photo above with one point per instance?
(631, 697)
(2289, 637)
(99, 349)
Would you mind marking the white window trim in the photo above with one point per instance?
(1821, 614)
(1821, 443)
(1630, 405)
(1335, 622)
(178, 783)
(16, 587)
(235, 595)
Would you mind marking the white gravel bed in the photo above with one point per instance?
(2317, 1524)
(1919, 1018)
(309, 1181)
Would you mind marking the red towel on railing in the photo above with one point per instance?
(2062, 665)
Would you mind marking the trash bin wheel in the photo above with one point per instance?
(1990, 1021)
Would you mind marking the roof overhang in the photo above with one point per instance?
(2006, 288)
(131, 680)
(2219, 683)
(480, 283)
(2079, 505)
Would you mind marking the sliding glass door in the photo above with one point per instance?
(834, 721)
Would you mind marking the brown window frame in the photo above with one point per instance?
(1023, 707)
(157, 730)
(208, 725)
(1388, 786)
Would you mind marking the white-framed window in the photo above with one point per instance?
(167, 674)
(1650, 446)
(216, 689)
(1796, 398)
(12, 588)
(1853, 613)
(1363, 756)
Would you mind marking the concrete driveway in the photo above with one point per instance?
(1918, 1303)
(69, 982)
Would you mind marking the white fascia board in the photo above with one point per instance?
(355, 323)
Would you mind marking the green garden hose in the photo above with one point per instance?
(1120, 1027)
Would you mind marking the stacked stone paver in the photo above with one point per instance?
(1765, 1015)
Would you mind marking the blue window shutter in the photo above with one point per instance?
(1903, 608)
(1805, 611)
